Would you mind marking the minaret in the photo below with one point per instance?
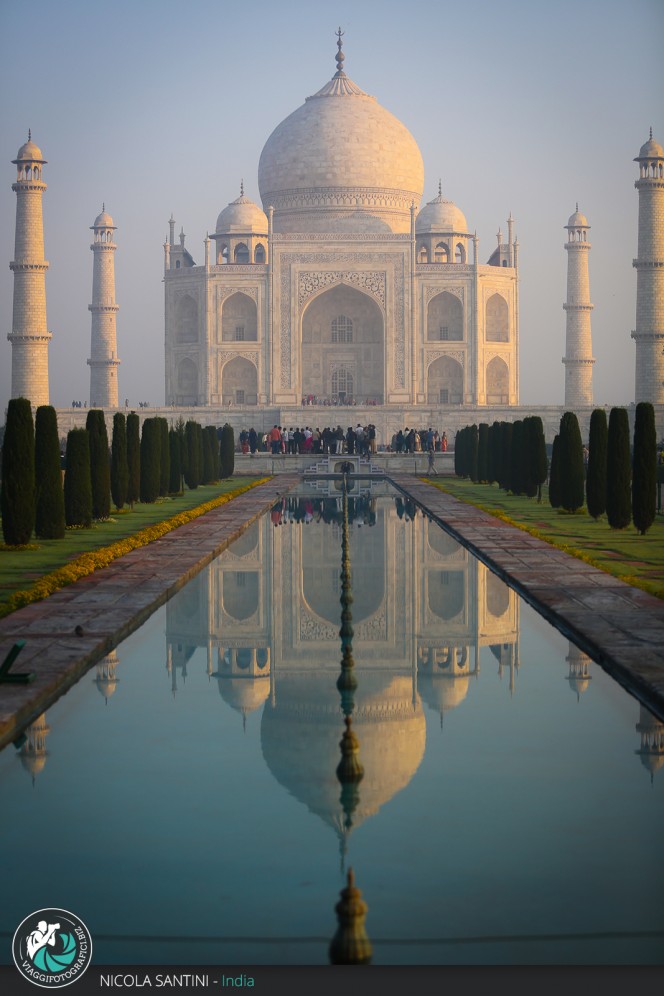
(578, 358)
(649, 332)
(29, 336)
(103, 360)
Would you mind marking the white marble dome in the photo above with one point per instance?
(441, 216)
(341, 162)
(243, 217)
(29, 152)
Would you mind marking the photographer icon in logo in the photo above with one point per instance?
(52, 948)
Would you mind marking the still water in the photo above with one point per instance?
(183, 800)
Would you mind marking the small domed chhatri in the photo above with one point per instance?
(243, 216)
(29, 152)
(650, 150)
(442, 216)
(103, 220)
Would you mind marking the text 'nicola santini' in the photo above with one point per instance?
(181, 981)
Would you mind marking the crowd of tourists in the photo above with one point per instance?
(359, 439)
(285, 441)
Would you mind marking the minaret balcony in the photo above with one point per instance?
(648, 264)
(23, 266)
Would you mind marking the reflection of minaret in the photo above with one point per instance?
(651, 750)
(105, 679)
(33, 753)
(578, 676)
(578, 357)
(103, 360)
(29, 336)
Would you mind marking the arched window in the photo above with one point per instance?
(259, 254)
(459, 253)
(441, 253)
(241, 254)
(342, 382)
(423, 255)
(342, 329)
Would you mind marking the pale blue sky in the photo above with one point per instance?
(156, 107)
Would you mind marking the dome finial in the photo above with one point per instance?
(30, 134)
(242, 188)
(340, 56)
(103, 206)
(440, 187)
(577, 207)
(651, 132)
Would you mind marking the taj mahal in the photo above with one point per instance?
(341, 288)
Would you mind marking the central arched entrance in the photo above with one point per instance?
(343, 351)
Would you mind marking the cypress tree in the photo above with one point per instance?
(506, 455)
(175, 480)
(618, 470)
(180, 430)
(483, 452)
(494, 452)
(164, 457)
(227, 451)
(572, 485)
(100, 465)
(119, 466)
(210, 455)
(644, 472)
(596, 476)
(49, 496)
(133, 458)
(458, 456)
(554, 474)
(78, 481)
(18, 474)
(150, 460)
(516, 458)
(539, 464)
(472, 452)
(192, 463)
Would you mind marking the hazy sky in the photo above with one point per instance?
(153, 107)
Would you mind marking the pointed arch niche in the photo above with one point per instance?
(239, 382)
(343, 330)
(445, 382)
(445, 318)
(239, 319)
(497, 382)
(497, 319)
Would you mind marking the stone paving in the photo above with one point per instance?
(620, 627)
(107, 606)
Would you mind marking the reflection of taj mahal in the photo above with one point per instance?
(340, 287)
(268, 613)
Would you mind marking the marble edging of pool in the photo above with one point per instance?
(621, 627)
(110, 604)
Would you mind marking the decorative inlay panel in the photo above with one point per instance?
(371, 281)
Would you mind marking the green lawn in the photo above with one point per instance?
(637, 559)
(21, 566)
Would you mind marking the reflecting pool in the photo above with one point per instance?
(183, 798)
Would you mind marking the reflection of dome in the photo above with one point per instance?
(29, 152)
(441, 692)
(442, 216)
(242, 217)
(33, 753)
(245, 695)
(341, 156)
(300, 739)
